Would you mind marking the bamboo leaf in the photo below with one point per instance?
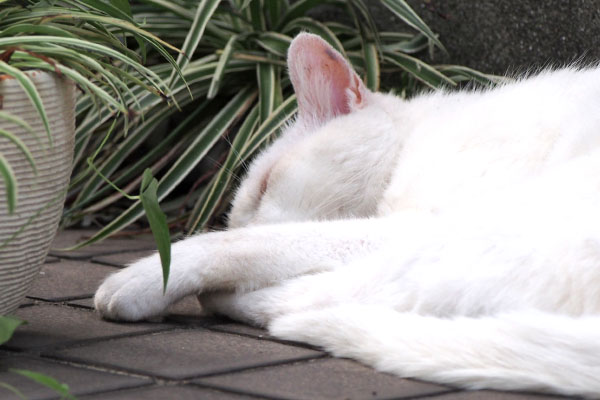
(8, 325)
(158, 222)
(45, 380)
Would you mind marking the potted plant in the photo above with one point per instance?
(47, 50)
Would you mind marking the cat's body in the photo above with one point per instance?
(452, 237)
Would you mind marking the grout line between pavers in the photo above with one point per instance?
(235, 391)
(61, 300)
(269, 338)
(115, 390)
(294, 361)
(99, 253)
(443, 392)
(185, 378)
(41, 350)
(94, 260)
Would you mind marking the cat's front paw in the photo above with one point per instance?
(133, 294)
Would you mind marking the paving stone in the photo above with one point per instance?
(493, 395)
(187, 392)
(80, 380)
(68, 279)
(184, 353)
(326, 379)
(122, 259)
(50, 325)
(110, 246)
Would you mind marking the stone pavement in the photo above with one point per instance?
(185, 356)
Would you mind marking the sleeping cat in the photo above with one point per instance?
(454, 237)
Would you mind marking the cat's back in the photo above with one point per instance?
(467, 145)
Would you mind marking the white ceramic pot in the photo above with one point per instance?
(26, 235)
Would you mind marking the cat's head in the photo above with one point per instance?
(321, 166)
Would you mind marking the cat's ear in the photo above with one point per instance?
(326, 86)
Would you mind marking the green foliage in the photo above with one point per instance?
(8, 325)
(87, 41)
(233, 61)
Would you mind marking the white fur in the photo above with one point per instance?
(454, 237)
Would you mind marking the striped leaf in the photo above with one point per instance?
(420, 70)
(266, 89)
(371, 66)
(206, 205)
(220, 69)
(195, 152)
(10, 184)
(31, 91)
(406, 14)
(204, 12)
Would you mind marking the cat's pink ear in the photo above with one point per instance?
(325, 84)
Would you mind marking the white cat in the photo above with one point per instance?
(454, 237)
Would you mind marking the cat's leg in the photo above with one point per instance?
(241, 259)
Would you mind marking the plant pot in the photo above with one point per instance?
(26, 235)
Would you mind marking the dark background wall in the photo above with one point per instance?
(499, 36)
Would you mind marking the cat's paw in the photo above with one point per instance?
(134, 293)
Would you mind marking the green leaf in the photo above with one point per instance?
(257, 16)
(269, 127)
(458, 72)
(220, 69)
(8, 326)
(206, 206)
(371, 66)
(415, 44)
(273, 42)
(420, 70)
(186, 162)
(204, 12)
(31, 92)
(406, 14)
(266, 89)
(19, 143)
(123, 6)
(158, 222)
(11, 184)
(11, 388)
(32, 28)
(298, 9)
(17, 121)
(45, 380)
